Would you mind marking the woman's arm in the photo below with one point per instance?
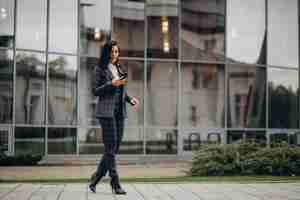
(101, 86)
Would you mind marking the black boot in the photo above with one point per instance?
(116, 187)
(95, 178)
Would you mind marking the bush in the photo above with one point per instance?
(245, 159)
(19, 160)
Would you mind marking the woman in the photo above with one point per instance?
(110, 87)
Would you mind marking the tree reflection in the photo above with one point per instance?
(283, 106)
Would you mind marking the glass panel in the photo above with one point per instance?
(31, 24)
(63, 26)
(135, 88)
(29, 140)
(202, 95)
(283, 33)
(30, 88)
(283, 98)
(203, 30)
(90, 141)
(6, 86)
(162, 93)
(61, 140)
(259, 137)
(162, 28)
(279, 137)
(129, 26)
(161, 141)
(193, 139)
(62, 105)
(5, 140)
(246, 25)
(6, 23)
(295, 138)
(87, 100)
(246, 97)
(95, 23)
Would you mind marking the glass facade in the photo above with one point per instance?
(205, 71)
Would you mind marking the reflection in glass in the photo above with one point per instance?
(30, 88)
(279, 137)
(162, 28)
(62, 90)
(61, 140)
(6, 23)
(6, 86)
(235, 137)
(29, 140)
(31, 24)
(283, 33)
(283, 98)
(87, 100)
(203, 29)
(246, 25)
(129, 26)
(135, 88)
(91, 142)
(203, 95)
(63, 26)
(95, 23)
(162, 87)
(246, 97)
(194, 138)
(5, 141)
(161, 141)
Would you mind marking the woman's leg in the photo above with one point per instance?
(109, 135)
(113, 173)
(120, 129)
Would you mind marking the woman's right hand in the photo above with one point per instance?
(118, 82)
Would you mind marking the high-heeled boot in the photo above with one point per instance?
(95, 178)
(116, 187)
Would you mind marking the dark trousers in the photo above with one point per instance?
(112, 131)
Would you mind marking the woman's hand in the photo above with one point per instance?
(135, 102)
(118, 82)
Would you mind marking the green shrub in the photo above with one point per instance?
(19, 160)
(246, 159)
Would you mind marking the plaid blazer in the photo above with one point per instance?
(106, 93)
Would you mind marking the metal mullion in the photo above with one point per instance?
(298, 106)
(30, 50)
(47, 77)
(163, 60)
(145, 77)
(226, 76)
(61, 53)
(178, 64)
(14, 81)
(132, 58)
(78, 75)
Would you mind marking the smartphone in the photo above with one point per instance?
(123, 76)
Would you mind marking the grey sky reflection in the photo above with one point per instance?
(246, 28)
(283, 33)
(6, 17)
(287, 78)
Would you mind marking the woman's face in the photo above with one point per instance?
(114, 54)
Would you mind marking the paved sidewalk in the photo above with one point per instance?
(85, 171)
(153, 191)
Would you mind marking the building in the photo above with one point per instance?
(205, 71)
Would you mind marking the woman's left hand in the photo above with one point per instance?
(135, 102)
